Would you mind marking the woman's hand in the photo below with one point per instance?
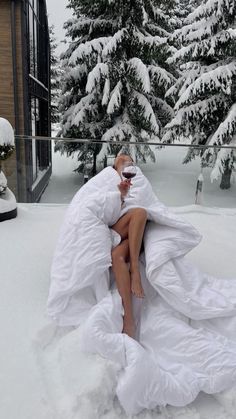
(124, 187)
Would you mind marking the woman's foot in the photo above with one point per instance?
(128, 327)
(136, 285)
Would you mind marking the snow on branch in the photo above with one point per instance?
(121, 130)
(114, 41)
(115, 99)
(141, 72)
(161, 106)
(106, 92)
(91, 24)
(77, 72)
(218, 79)
(149, 40)
(226, 130)
(148, 112)
(145, 16)
(90, 47)
(159, 14)
(218, 7)
(199, 110)
(76, 114)
(100, 70)
(223, 155)
(85, 104)
(195, 31)
(202, 48)
(161, 76)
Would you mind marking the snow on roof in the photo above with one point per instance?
(6, 133)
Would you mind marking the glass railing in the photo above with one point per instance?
(38, 173)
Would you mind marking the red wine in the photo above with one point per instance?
(128, 175)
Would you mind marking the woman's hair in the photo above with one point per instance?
(122, 155)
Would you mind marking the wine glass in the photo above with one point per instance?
(128, 171)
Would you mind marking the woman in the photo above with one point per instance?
(131, 228)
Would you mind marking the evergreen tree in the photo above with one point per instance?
(116, 75)
(205, 94)
(56, 74)
(183, 8)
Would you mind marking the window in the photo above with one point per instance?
(39, 86)
(34, 126)
(33, 34)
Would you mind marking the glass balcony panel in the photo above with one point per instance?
(176, 184)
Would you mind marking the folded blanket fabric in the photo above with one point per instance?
(183, 343)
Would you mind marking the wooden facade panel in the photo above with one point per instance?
(20, 100)
(7, 86)
(6, 65)
(16, 93)
(19, 68)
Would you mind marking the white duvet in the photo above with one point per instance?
(186, 324)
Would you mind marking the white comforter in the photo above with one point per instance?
(186, 324)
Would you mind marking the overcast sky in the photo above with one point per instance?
(58, 14)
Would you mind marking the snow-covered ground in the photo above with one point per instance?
(42, 378)
(173, 182)
(44, 374)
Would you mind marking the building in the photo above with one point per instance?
(25, 93)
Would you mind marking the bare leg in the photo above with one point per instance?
(120, 256)
(136, 230)
(132, 226)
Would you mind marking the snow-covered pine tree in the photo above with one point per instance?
(205, 95)
(116, 75)
(183, 8)
(56, 74)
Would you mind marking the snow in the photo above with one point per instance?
(200, 110)
(218, 79)
(64, 183)
(161, 75)
(120, 130)
(106, 92)
(147, 110)
(43, 369)
(219, 7)
(141, 71)
(148, 39)
(3, 182)
(89, 48)
(226, 128)
(78, 112)
(173, 182)
(113, 42)
(6, 133)
(115, 99)
(7, 201)
(100, 70)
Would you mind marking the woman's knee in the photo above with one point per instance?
(139, 212)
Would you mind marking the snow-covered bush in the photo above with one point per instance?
(7, 143)
(6, 148)
(3, 183)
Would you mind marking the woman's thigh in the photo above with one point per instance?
(122, 225)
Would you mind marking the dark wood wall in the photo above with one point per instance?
(11, 89)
